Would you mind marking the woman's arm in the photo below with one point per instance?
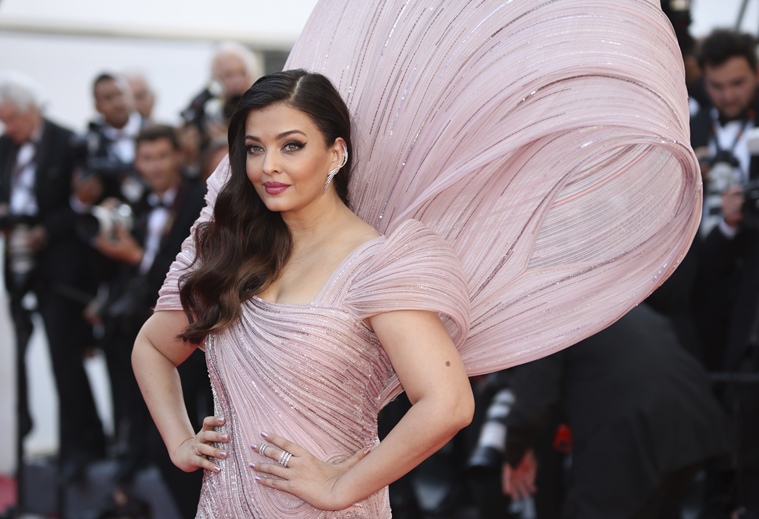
(430, 370)
(156, 354)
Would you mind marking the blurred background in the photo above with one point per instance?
(63, 46)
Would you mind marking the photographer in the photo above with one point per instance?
(43, 257)
(730, 269)
(720, 133)
(234, 68)
(106, 150)
(162, 220)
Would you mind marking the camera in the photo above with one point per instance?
(20, 251)
(92, 155)
(195, 113)
(105, 220)
(21, 261)
(94, 160)
(722, 172)
(491, 444)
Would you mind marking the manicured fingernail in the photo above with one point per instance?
(264, 435)
(254, 447)
(367, 450)
(220, 420)
(258, 479)
(252, 465)
(222, 454)
(224, 437)
(216, 469)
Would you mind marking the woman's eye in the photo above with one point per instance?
(254, 149)
(293, 146)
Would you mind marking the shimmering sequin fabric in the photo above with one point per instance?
(315, 373)
(546, 140)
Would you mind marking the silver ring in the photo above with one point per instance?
(284, 458)
(262, 449)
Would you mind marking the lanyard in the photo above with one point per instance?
(746, 120)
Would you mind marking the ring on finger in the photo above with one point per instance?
(262, 449)
(284, 458)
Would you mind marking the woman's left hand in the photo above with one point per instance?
(302, 474)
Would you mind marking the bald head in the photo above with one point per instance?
(142, 93)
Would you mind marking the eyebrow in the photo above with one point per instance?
(280, 136)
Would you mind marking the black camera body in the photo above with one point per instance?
(722, 168)
(94, 158)
(195, 112)
(723, 156)
(21, 256)
(104, 220)
(488, 453)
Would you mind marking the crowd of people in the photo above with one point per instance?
(620, 425)
(92, 223)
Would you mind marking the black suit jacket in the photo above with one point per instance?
(733, 264)
(639, 407)
(66, 261)
(701, 132)
(133, 294)
(189, 201)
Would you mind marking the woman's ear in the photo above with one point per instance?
(340, 152)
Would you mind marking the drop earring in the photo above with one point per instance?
(335, 170)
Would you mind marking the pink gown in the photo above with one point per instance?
(545, 143)
(315, 373)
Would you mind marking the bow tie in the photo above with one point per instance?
(157, 203)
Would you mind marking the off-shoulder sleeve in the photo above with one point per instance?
(415, 269)
(168, 296)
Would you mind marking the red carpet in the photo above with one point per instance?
(7, 492)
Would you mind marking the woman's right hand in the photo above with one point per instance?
(197, 452)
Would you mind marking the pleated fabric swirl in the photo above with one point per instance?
(546, 140)
(543, 146)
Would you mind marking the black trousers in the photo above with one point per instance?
(68, 335)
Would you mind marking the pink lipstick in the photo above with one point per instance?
(275, 188)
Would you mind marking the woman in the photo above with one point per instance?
(310, 318)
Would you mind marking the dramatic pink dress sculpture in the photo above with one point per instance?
(541, 147)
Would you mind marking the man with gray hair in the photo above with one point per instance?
(234, 68)
(143, 94)
(44, 257)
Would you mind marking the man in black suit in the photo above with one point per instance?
(162, 220)
(642, 417)
(730, 260)
(719, 131)
(44, 257)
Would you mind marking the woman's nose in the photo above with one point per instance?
(271, 163)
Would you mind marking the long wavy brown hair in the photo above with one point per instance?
(244, 246)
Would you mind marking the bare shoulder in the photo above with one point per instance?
(358, 232)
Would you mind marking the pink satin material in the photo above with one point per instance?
(545, 141)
